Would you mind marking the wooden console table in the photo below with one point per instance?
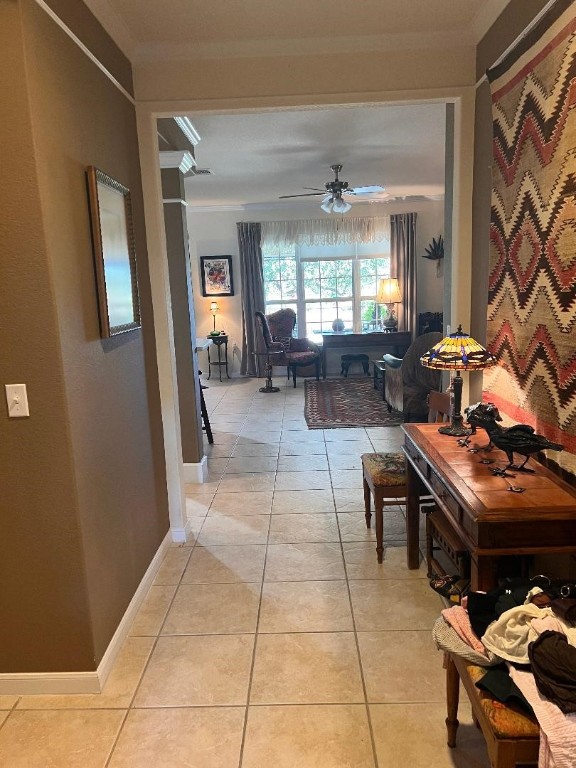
(396, 343)
(488, 518)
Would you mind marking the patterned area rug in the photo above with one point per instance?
(353, 402)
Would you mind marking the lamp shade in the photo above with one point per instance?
(335, 204)
(388, 291)
(214, 307)
(458, 352)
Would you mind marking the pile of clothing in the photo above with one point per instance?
(525, 636)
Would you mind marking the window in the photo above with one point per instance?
(322, 284)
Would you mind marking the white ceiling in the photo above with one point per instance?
(258, 157)
(145, 29)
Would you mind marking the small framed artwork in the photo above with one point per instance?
(216, 272)
(114, 254)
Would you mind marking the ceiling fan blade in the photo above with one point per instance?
(306, 194)
(366, 190)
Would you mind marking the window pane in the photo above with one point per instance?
(369, 315)
(271, 269)
(272, 290)
(371, 271)
(279, 268)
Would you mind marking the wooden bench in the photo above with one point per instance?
(512, 736)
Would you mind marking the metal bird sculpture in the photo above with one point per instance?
(520, 438)
(477, 415)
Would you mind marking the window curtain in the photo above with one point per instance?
(251, 271)
(328, 231)
(403, 266)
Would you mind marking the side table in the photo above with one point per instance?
(221, 344)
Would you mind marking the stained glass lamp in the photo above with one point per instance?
(457, 352)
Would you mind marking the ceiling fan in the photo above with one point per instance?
(333, 192)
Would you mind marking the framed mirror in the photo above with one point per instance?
(114, 254)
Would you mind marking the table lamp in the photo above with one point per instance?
(389, 294)
(457, 352)
(214, 309)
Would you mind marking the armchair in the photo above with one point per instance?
(277, 330)
(408, 383)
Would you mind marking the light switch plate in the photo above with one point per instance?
(17, 400)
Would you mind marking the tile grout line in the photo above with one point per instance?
(362, 675)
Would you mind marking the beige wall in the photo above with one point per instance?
(83, 483)
(303, 79)
(214, 233)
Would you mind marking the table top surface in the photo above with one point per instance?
(485, 496)
(200, 345)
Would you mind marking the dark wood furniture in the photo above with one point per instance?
(511, 736)
(221, 344)
(395, 343)
(347, 360)
(379, 369)
(488, 518)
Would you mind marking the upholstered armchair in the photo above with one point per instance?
(408, 382)
(277, 330)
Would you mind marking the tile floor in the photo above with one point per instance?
(273, 638)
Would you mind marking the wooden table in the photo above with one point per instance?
(489, 519)
(395, 343)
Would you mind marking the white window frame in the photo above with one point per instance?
(355, 298)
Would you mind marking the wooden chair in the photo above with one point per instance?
(384, 477)
(438, 406)
(277, 330)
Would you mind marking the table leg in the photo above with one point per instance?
(412, 517)
(226, 359)
(324, 359)
(483, 572)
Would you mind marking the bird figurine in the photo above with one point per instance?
(476, 416)
(519, 438)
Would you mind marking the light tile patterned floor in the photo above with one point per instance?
(273, 637)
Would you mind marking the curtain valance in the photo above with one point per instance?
(329, 231)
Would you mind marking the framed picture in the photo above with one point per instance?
(216, 276)
(114, 254)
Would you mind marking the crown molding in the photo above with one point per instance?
(181, 159)
(188, 129)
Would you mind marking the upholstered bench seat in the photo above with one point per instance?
(384, 477)
(511, 735)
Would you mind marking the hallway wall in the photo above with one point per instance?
(83, 488)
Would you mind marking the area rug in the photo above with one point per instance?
(351, 402)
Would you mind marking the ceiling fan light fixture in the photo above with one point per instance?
(340, 205)
(327, 204)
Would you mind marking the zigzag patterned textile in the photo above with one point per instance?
(532, 285)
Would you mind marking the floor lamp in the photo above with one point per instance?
(457, 352)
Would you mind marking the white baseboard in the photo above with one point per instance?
(180, 535)
(196, 473)
(48, 683)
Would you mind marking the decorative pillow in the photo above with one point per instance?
(286, 342)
